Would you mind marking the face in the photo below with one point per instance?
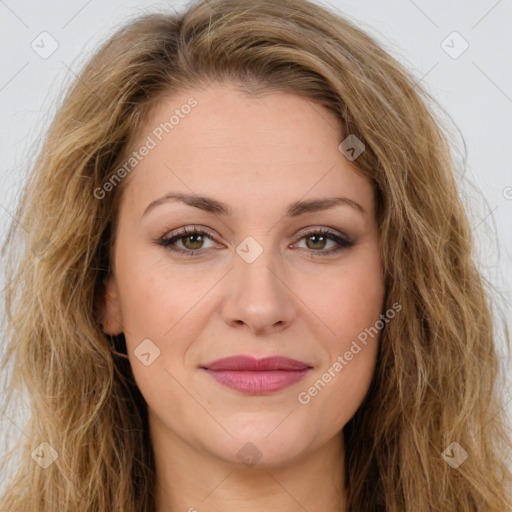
(265, 270)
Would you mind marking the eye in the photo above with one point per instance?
(317, 239)
(193, 240)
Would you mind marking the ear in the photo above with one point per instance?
(110, 313)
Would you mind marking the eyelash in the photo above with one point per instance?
(167, 241)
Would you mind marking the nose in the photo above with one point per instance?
(258, 296)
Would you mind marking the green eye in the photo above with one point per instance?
(193, 239)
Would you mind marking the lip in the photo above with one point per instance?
(257, 376)
(249, 363)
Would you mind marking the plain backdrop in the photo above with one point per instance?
(460, 50)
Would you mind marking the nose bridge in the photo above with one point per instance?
(257, 294)
(257, 267)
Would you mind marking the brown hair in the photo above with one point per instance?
(437, 371)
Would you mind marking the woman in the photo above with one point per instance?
(248, 281)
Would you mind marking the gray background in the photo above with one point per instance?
(475, 89)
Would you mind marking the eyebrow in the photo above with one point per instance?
(295, 209)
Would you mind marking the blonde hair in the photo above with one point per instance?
(437, 372)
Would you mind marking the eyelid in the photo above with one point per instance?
(324, 229)
(185, 231)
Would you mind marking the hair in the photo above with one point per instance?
(436, 379)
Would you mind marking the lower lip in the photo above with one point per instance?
(258, 382)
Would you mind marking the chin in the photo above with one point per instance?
(258, 450)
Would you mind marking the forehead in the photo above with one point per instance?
(225, 143)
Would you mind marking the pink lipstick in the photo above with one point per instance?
(257, 376)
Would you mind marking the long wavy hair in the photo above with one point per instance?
(437, 379)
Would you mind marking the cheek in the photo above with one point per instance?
(337, 393)
(156, 297)
(339, 387)
(348, 299)
(164, 307)
(350, 304)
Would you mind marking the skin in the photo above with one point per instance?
(258, 155)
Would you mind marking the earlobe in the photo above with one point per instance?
(110, 314)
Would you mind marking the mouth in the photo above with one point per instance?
(257, 376)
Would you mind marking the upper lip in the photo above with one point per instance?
(250, 363)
